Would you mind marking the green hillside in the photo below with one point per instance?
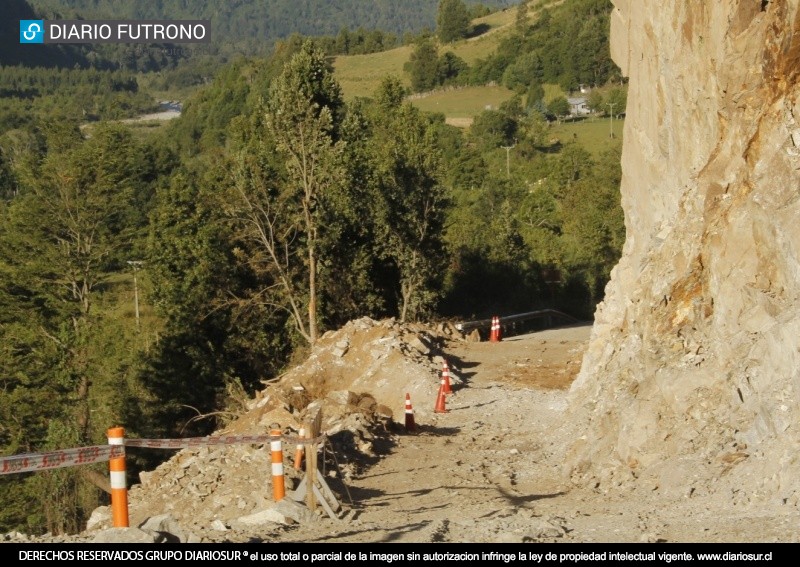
(360, 75)
(497, 55)
(461, 104)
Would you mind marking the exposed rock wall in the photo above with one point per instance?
(692, 377)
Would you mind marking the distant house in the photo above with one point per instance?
(578, 106)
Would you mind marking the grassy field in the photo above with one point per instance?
(360, 75)
(591, 133)
(491, 26)
(463, 102)
(494, 28)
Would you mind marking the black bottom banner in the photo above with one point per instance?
(562, 554)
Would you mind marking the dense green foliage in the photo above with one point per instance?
(357, 42)
(545, 228)
(409, 203)
(566, 44)
(31, 94)
(423, 66)
(429, 70)
(270, 211)
(75, 219)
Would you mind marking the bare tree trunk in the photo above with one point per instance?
(311, 235)
(406, 291)
(263, 219)
(312, 294)
(83, 408)
(95, 478)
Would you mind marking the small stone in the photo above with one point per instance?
(270, 516)
(100, 518)
(124, 535)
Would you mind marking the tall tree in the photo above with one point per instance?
(595, 101)
(492, 129)
(559, 107)
(449, 67)
(452, 21)
(423, 66)
(617, 100)
(194, 274)
(410, 204)
(594, 225)
(284, 204)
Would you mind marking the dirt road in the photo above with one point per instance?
(491, 469)
(479, 472)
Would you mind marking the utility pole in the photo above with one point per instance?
(136, 265)
(508, 162)
(611, 116)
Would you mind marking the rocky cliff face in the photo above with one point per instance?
(692, 378)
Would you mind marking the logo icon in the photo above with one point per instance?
(31, 31)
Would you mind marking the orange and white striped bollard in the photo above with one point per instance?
(119, 485)
(278, 481)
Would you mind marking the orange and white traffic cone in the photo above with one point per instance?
(440, 403)
(498, 334)
(446, 378)
(410, 425)
(493, 335)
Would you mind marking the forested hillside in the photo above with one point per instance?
(150, 279)
(250, 21)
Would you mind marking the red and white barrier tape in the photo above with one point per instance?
(30, 462)
(59, 459)
(218, 440)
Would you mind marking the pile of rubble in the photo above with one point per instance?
(358, 376)
(365, 368)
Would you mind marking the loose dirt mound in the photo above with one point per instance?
(358, 375)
